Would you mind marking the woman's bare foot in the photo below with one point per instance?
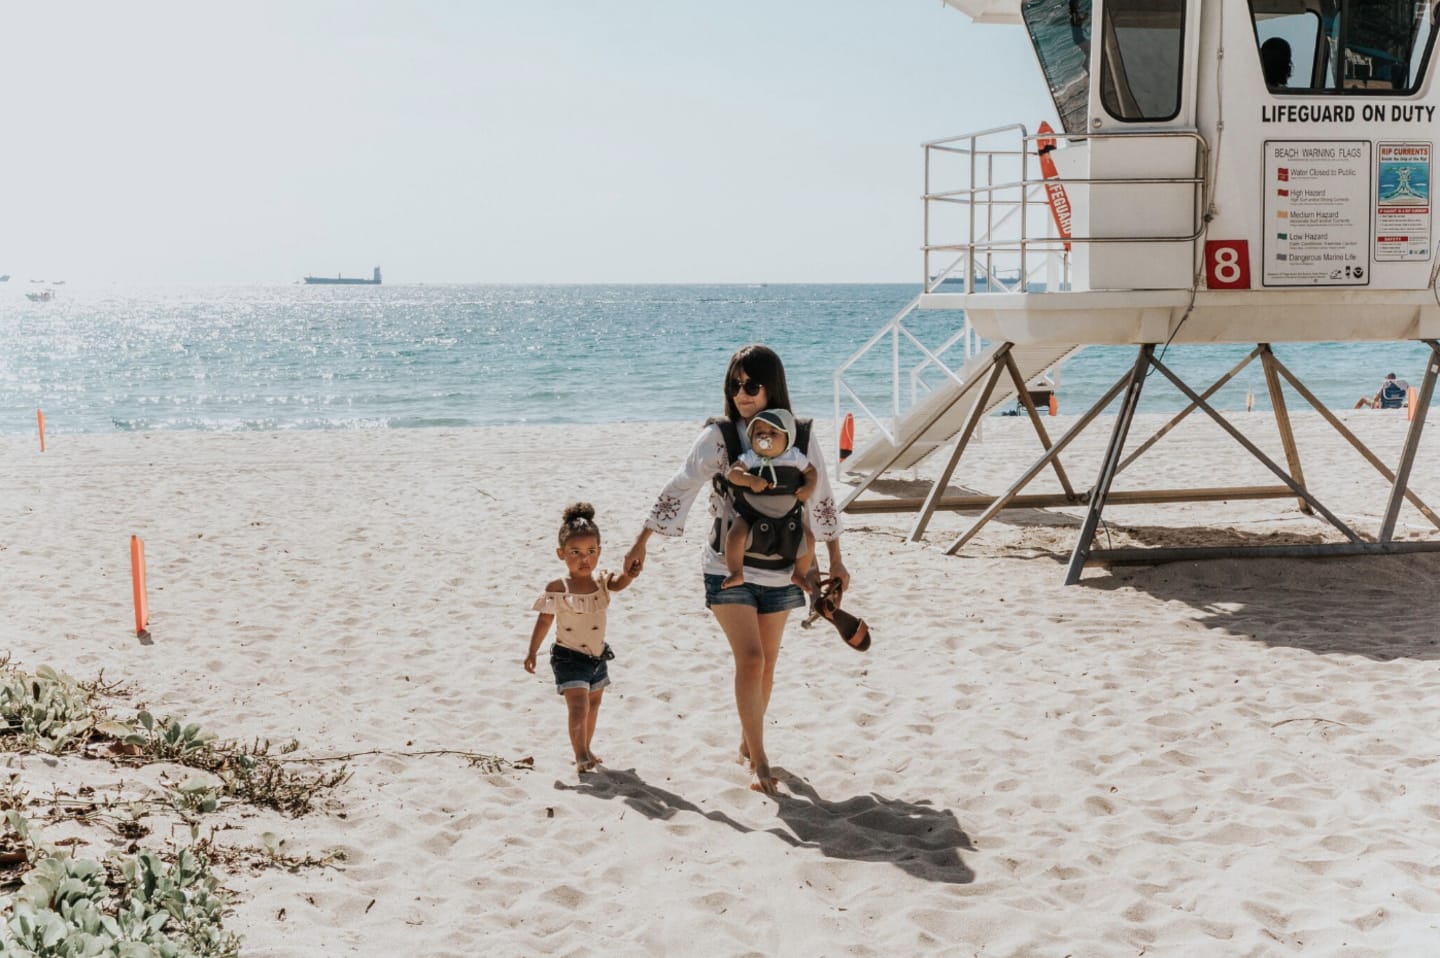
(764, 782)
(583, 765)
(731, 581)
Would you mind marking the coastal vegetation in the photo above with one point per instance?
(136, 902)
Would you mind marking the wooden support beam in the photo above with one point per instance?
(1055, 500)
(1282, 420)
(1153, 556)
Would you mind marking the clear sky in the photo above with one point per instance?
(629, 141)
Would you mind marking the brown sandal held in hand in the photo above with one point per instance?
(827, 606)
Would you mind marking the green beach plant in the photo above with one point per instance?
(129, 906)
(47, 711)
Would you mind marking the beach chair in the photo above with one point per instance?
(1393, 394)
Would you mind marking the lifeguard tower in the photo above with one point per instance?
(1226, 172)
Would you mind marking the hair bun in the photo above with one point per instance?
(579, 510)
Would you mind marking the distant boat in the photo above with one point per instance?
(343, 281)
(5, 278)
(58, 282)
(44, 296)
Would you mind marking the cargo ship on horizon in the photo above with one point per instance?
(344, 281)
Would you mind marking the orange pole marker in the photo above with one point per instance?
(1411, 398)
(847, 437)
(40, 419)
(1054, 404)
(137, 576)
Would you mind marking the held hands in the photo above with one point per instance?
(635, 560)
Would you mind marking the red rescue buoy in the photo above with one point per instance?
(1054, 191)
(847, 437)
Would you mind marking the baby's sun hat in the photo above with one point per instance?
(781, 419)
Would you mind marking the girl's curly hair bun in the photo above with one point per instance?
(579, 510)
(578, 520)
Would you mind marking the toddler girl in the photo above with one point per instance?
(580, 652)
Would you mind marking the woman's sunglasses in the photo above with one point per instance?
(749, 386)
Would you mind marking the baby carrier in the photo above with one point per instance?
(775, 539)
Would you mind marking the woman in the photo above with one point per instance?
(752, 614)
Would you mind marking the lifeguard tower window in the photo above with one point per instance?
(1364, 47)
(1142, 44)
(1060, 33)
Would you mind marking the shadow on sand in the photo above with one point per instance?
(917, 838)
(1372, 606)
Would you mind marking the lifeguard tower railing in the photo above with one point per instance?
(991, 226)
(992, 209)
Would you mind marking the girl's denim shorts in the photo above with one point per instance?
(764, 599)
(576, 670)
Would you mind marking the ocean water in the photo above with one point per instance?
(113, 358)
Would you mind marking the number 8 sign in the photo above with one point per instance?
(1227, 264)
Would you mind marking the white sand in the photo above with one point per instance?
(1222, 758)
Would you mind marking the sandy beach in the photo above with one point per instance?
(1221, 758)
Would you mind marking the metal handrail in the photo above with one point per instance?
(984, 195)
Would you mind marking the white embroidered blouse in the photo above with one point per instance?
(707, 457)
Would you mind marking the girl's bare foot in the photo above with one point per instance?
(583, 765)
(762, 781)
(731, 581)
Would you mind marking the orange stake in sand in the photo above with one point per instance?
(1054, 404)
(137, 576)
(1410, 399)
(847, 437)
(40, 419)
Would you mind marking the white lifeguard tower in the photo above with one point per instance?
(1226, 172)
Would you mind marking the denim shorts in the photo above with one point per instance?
(764, 599)
(576, 670)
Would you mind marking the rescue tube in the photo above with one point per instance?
(1054, 191)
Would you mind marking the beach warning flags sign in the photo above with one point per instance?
(137, 578)
(847, 437)
(1054, 191)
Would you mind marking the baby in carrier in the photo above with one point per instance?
(769, 486)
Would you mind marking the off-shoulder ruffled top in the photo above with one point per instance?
(579, 618)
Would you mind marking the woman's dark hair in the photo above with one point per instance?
(579, 520)
(758, 363)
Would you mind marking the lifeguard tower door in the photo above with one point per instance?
(1142, 117)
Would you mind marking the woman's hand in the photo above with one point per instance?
(635, 558)
(837, 570)
(530, 663)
